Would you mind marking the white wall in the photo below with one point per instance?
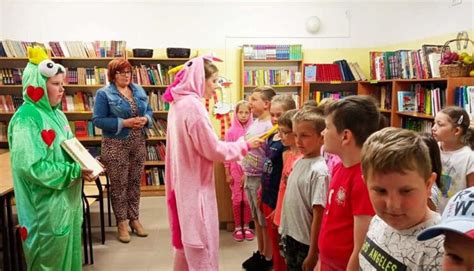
(227, 24)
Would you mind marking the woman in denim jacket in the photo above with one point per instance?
(122, 111)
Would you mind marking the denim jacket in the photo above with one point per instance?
(110, 110)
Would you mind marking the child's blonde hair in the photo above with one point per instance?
(241, 103)
(458, 117)
(266, 92)
(395, 150)
(285, 100)
(311, 115)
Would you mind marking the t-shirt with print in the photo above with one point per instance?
(456, 165)
(253, 161)
(307, 186)
(386, 248)
(348, 197)
(272, 168)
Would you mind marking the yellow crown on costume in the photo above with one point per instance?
(176, 69)
(36, 55)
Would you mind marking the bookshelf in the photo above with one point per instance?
(89, 87)
(152, 75)
(387, 93)
(284, 75)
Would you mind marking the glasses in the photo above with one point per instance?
(124, 73)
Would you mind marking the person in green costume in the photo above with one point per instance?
(47, 182)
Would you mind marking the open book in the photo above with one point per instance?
(80, 154)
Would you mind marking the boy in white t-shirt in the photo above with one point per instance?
(397, 170)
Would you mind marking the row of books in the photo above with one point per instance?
(156, 152)
(273, 52)
(422, 100)
(340, 70)
(84, 128)
(153, 176)
(113, 48)
(13, 48)
(282, 77)
(79, 101)
(464, 97)
(152, 74)
(9, 103)
(156, 101)
(158, 128)
(406, 64)
(335, 95)
(419, 125)
(11, 76)
(86, 76)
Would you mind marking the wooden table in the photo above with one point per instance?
(6, 216)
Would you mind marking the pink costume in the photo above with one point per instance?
(235, 132)
(192, 146)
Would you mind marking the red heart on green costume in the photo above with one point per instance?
(23, 233)
(48, 136)
(35, 93)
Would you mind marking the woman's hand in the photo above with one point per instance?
(135, 123)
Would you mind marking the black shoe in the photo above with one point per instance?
(250, 262)
(264, 265)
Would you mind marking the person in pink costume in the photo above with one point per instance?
(192, 147)
(234, 173)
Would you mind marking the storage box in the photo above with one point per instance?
(178, 52)
(140, 52)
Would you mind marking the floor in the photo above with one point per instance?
(155, 251)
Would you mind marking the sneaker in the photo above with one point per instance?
(250, 262)
(249, 234)
(238, 235)
(264, 265)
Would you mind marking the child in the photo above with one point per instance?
(397, 170)
(451, 129)
(290, 156)
(192, 146)
(457, 224)
(349, 122)
(271, 177)
(260, 101)
(305, 195)
(435, 156)
(233, 171)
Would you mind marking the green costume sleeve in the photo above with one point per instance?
(40, 166)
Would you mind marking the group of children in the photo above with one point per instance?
(332, 190)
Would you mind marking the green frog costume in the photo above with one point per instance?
(47, 182)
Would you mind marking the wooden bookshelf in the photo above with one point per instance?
(374, 88)
(261, 66)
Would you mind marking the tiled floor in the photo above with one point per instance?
(155, 251)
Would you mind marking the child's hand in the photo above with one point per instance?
(255, 142)
(310, 262)
(87, 175)
(228, 179)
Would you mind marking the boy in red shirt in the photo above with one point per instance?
(348, 212)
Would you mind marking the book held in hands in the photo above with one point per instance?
(81, 155)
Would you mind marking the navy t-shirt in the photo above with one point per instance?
(272, 168)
